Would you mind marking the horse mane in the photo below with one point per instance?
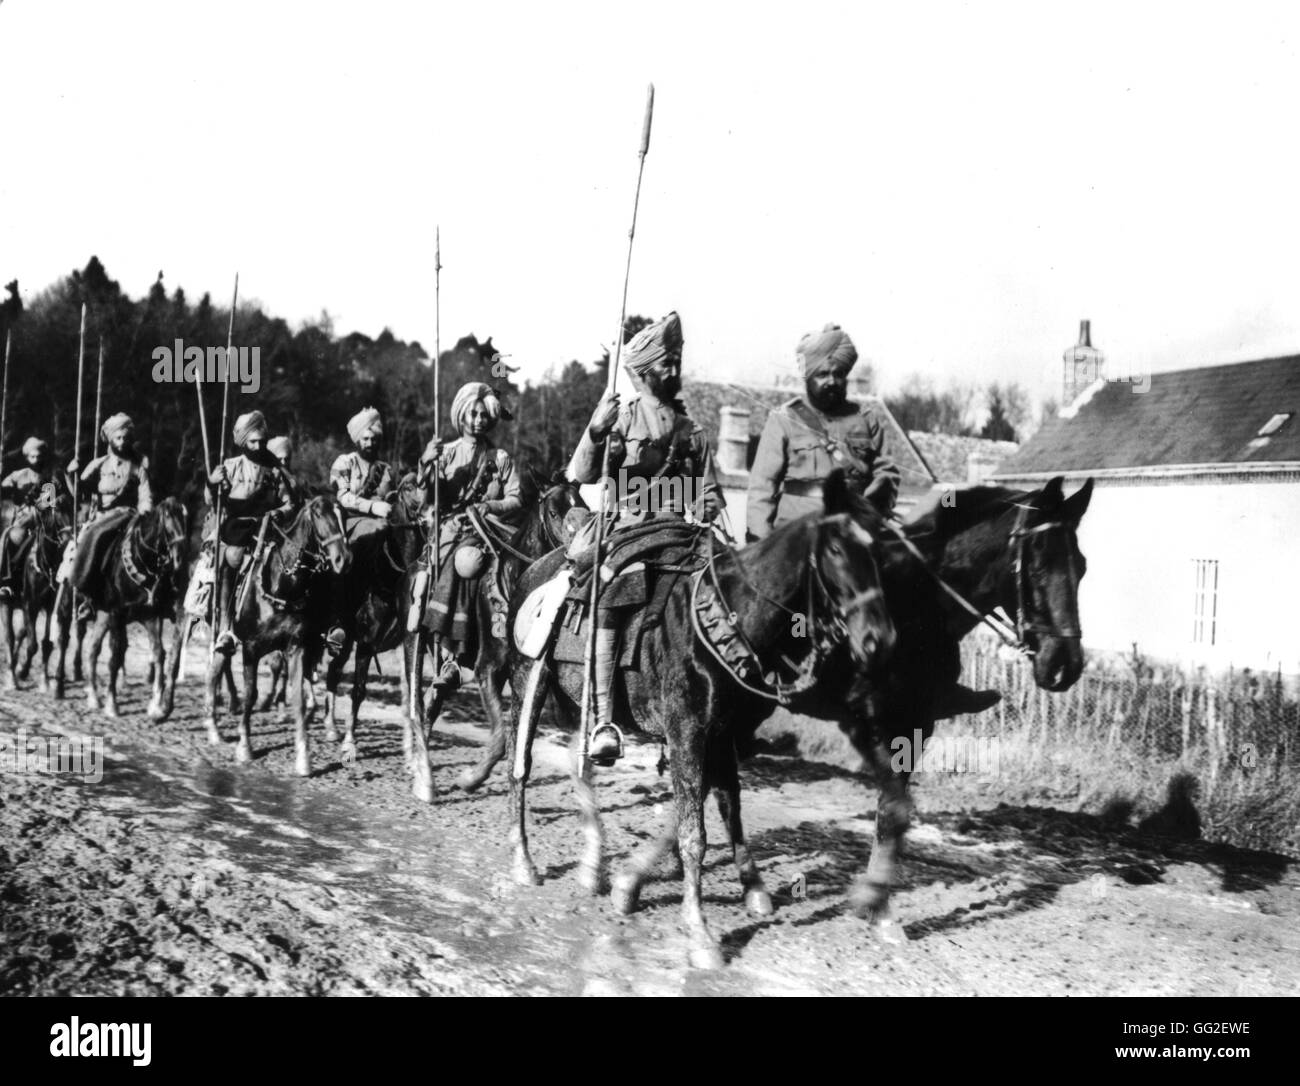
(969, 507)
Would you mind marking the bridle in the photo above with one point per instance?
(312, 554)
(830, 622)
(146, 564)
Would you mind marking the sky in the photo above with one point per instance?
(955, 184)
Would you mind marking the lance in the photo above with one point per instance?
(4, 396)
(433, 551)
(99, 394)
(588, 682)
(221, 459)
(76, 445)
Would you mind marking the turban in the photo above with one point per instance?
(280, 447)
(116, 426)
(652, 344)
(820, 350)
(33, 446)
(364, 422)
(249, 425)
(468, 396)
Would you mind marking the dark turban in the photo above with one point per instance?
(652, 344)
(820, 350)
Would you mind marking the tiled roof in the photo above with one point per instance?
(1211, 415)
(949, 454)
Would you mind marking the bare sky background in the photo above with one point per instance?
(956, 184)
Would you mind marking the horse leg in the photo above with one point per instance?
(154, 711)
(687, 762)
(244, 745)
(491, 683)
(61, 637)
(360, 674)
(302, 751)
(519, 738)
(275, 664)
(413, 668)
(869, 897)
(11, 652)
(78, 671)
(725, 779)
(334, 672)
(626, 891)
(168, 700)
(97, 633)
(211, 681)
(591, 865)
(116, 658)
(47, 644)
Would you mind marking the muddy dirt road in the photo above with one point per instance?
(181, 873)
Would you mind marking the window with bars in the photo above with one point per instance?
(1205, 607)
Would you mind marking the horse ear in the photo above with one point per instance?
(1077, 503)
(1053, 491)
(835, 493)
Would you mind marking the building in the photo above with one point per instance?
(1191, 536)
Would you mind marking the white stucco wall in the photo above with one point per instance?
(1141, 542)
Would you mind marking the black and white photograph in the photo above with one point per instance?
(696, 499)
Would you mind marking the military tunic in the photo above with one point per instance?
(800, 446)
(461, 465)
(24, 487)
(257, 485)
(359, 482)
(115, 482)
(659, 458)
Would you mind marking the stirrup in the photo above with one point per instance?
(6, 593)
(335, 640)
(448, 677)
(225, 643)
(605, 745)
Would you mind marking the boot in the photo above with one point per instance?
(957, 700)
(225, 642)
(448, 677)
(605, 744)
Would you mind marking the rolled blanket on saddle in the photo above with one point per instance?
(94, 549)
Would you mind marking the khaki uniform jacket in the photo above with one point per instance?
(659, 458)
(800, 447)
(117, 483)
(256, 488)
(359, 482)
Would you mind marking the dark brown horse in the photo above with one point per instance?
(285, 604)
(806, 599)
(140, 577)
(994, 548)
(549, 523)
(37, 597)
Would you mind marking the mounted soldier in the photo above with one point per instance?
(252, 484)
(364, 485)
(281, 447)
(118, 485)
(664, 466)
(807, 438)
(23, 487)
(480, 494)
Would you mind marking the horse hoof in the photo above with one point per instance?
(869, 901)
(92, 703)
(331, 735)
(348, 751)
(43, 686)
(470, 780)
(423, 790)
(759, 902)
(889, 932)
(707, 956)
(9, 685)
(524, 873)
(626, 894)
(155, 712)
(591, 880)
(60, 693)
(302, 764)
(263, 705)
(243, 753)
(111, 712)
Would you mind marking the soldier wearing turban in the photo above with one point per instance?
(663, 465)
(363, 484)
(806, 438)
(117, 484)
(252, 484)
(474, 477)
(22, 487)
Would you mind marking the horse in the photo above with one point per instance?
(546, 526)
(284, 604)
(807, 598)
(37, 595)
(139, 578)
(943, 574)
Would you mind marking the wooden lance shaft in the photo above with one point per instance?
(4, 397)
(76, 442)
(221, 438)
(589, 670)
(99, 396)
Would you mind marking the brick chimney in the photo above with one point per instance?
(733, 440)
(1083, 364)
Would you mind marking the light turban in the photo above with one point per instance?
(820, 350)
(653, 343)
(249, 425)
(33, 446)
(364, 422)
(280, 447)
(470, 394)
(115, 426)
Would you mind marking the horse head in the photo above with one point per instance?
(1046, 571)
(172, 527)
(323, 520)
(563, 512)
(845, 573)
